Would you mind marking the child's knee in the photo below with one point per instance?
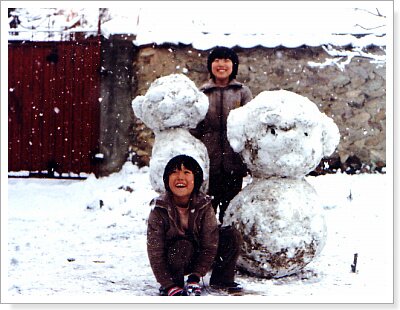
(232, 236)
(180, 250)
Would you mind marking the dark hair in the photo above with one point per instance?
(222, 52)
(189, 163)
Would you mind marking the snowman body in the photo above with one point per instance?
(281, 136)
(170, 143)
(171, 106)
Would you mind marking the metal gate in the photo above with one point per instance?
(53, 106)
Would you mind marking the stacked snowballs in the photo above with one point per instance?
(171, 106)
(281, 136)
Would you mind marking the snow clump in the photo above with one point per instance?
(282, 226)
(171, 106)
(281, 133)
(172, 101)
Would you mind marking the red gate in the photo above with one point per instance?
(53, 106)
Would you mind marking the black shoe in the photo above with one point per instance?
(162, 291)
(231, 287)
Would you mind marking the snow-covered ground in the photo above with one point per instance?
(85, 241)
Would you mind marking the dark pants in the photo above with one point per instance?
(180, 260)
(182, 255)
(223, 188)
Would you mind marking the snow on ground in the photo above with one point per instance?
(85, 241)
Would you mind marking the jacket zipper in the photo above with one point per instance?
(221, 101)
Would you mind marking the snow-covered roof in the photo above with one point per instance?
(237, 23)
(269, 24)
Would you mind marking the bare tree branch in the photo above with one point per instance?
(369, 28)
(376, 14)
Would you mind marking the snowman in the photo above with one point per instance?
(171, 106)
(281, 136)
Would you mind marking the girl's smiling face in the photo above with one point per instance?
(222, 69)
(181, 183)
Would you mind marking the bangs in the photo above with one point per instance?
(190, 164)
(223, 54)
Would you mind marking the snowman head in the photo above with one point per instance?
(280, 133)
(172, 101)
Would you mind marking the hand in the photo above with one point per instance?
(177, 291)
(193, 286)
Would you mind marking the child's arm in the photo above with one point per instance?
(246, 95)
(156, 248)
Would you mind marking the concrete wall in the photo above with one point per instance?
(116, 114)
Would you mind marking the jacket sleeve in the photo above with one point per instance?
(156, 248)
(198, 132)
(209, 236)
(246, 95)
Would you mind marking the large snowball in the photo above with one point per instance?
(173, 142)
(170, 102)
(281, 133)
(282, 225)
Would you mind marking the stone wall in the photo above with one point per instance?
(354, 95)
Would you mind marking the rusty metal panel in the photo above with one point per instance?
(54, 113)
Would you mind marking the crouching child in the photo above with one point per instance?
(183, 236)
